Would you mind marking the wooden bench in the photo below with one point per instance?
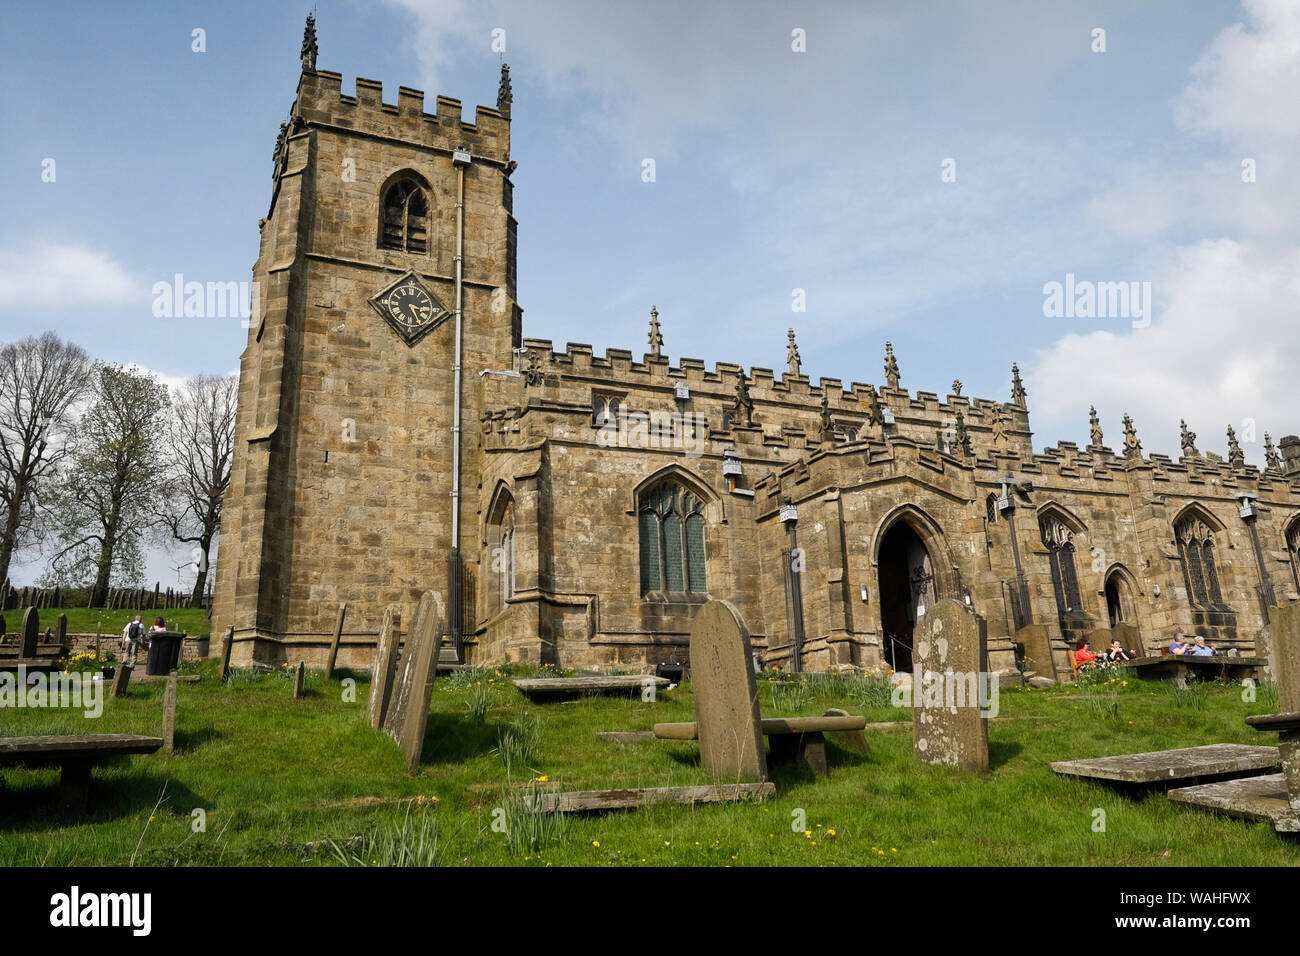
(792, 739)
(543, 688)
(75, 755)
(43, 665)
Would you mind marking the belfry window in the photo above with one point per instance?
(405, 223)
(671, 521)
(1196, 548)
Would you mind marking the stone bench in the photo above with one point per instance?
(792, 739)
(544, 688)
(1183, 765)
(75, 755)
(1176, 667)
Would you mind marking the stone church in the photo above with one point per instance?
(397, 433)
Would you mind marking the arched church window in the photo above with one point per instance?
(501, 552)
(1059, 540)
(1200, 573)
(671, 526)
(991, 509)
(405, 223)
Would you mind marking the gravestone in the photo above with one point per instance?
(334, 645)
(227, 644)
(385, 666)
(726, 698)
(408, 714)
(298, 674)
(169, 714)
(61, 630)
(1038, 651)
(949, 668)
(121, 677)
(1284, 656)
(31, 633)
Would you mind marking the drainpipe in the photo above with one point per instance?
(793, 587)
(1007, 505)
(460, 158)
(1249, 511)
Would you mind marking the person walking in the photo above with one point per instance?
(132, 635)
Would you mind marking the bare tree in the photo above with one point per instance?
(41, 381)
(200, 446)
(107, 501)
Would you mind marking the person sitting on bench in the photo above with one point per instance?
(1084, 655)
(1179, 645)
(1200, 648)
(1116, 652)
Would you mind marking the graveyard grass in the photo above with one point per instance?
(287, 782)
(82, 620)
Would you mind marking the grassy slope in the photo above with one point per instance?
(83, 620)
(274, 774)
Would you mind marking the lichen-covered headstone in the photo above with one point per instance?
(31, 632)
(385, 666)
(1284, 656)
(408, 713)
(951, 696)
(227, 645)
(121, 677)
(726, 698)
(298, 674)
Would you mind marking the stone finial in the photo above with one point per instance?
(1000, 440)
(963, 436)
(743, 407)
(1132, 447)
(656, 339)
(309, 47)
(1018, 392)
(874, 414)
(1094, 427)
(1188, 440)
(792, 354)
(1272, 460)
(1236, 456)
(891, 366)
(280, 140)
(956, 387)
(825, 432)
(505, 96)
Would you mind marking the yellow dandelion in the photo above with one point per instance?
(830, 832)
(595, 843)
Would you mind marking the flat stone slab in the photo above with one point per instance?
(577, 686)
(39, 751)
(589, 801)
(1185, 763)
(689, 730)
(1250, 798)
(1278, 722)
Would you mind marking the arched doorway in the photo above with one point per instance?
(906, 579)
(1115, 605)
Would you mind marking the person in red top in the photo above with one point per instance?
(1084, 654)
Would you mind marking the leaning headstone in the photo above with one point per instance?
(61, 630)
(169, 714)
(121, 677)
(31, 632)
(408, 714)
(726, 698)
(949, 697)
(297, 680)
(227, 644)
(385, 666)
(1284, 656)
(334, 645)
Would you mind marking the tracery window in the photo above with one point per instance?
(1196, 548)
(671, 525)
(1059, 540)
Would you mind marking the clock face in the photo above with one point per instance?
(409, 308)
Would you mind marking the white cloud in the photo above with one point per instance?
(45, 274)
(1221, 352)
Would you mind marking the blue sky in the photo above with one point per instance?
(775, 170)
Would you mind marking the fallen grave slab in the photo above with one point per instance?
(792, 739)
(1249, 798)
(540, 688)
(1184, 763)
(627, 736)
(595, 801)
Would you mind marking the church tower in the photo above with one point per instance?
(384, 284)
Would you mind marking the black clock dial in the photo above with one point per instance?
(409, 305)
